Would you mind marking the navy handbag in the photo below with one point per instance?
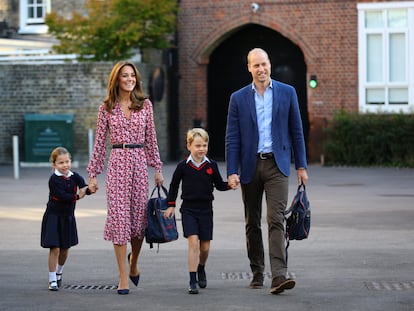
(159, 229)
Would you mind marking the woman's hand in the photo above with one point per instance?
(159, 179)
(93, 185)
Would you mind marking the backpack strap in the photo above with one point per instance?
(286, 249)
(301, 188)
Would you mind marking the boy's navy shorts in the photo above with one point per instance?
(197, 219)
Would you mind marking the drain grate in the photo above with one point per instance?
(234, 276)
(90, 287)
(240, 275)
(387, 285)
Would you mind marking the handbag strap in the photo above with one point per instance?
(159, 193)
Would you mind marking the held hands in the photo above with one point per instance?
(93, 185)
(82, 192)
(233, 181)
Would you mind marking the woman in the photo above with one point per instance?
(126, 115)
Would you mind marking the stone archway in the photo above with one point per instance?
(227, 72)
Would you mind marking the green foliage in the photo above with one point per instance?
(370, 140)
(113, 27)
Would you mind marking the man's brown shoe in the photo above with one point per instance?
(280, 283)
(257, 281)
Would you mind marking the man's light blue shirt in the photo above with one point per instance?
(264, 106)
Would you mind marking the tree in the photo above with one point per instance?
(112, 28)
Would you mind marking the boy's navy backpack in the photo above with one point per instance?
(159, 229)
(298, 216)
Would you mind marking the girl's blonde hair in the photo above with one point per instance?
(57, 152)
(137, 95)
(191, 134)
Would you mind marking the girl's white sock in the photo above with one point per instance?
(59, 269)
(52, 276)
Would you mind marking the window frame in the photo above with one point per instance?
(32, 25)
(385, 85)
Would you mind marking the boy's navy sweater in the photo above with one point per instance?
(197, 182)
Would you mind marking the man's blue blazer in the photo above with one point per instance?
(242, 134)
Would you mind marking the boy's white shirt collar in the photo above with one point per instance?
(190, 158)
(70, 173)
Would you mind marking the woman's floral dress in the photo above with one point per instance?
(127, 171)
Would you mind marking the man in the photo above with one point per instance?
(263, 126)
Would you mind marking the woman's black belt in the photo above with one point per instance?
(123, 146)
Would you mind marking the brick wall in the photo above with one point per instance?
(3, 7)
(9, 12)
(60, 89)
(65, 8)
(325, 31)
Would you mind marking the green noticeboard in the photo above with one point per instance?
(44, 132)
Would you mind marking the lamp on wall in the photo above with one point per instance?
(313, 81)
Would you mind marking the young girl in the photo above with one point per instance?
(199, 175)
(59, 231)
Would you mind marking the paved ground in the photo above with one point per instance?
(360, 254)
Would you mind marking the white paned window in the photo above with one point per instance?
(374, 61)
(32, 16)
(397, 58)
(36, 11)
(386, 56)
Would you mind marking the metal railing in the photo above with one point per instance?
(35, 56)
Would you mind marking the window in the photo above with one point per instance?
(32, 16)
(386, 69)
(36, 11)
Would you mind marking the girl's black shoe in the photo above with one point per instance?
(193, 288)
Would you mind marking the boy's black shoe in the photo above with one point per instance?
(201, 275)
(193, 288)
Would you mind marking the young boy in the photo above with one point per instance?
(199, 175)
